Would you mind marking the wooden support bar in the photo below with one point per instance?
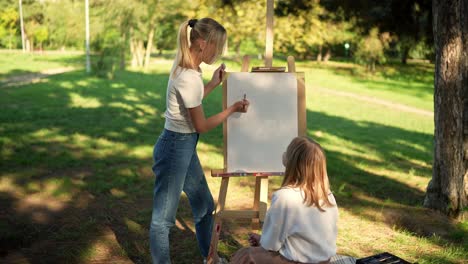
(232, 214)
(269, 34)
(223, 173)
(291, 64)
(260, 200)
(301, 105)
(213, 253)
(245, 63)
(263, 205)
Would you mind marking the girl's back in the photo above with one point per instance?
(300, 232)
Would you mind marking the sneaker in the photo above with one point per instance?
(222, 261)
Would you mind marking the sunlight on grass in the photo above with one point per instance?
(134, 227)
(78, 100)
(124, 106)
(141, 152)
(210, 157)
(406, 87)
(81, 147)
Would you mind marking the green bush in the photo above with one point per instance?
(370, 50)
(108, 47)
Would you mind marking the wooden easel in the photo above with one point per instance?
(260, 204)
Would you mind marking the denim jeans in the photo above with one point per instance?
(177, 168)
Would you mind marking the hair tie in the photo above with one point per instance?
(192, 22)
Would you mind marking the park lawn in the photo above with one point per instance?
(411, 84)
(76, 180)
(18, 63)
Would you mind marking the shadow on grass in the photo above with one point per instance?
(76, 169)
(77, 183)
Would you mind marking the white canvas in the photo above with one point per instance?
(257, 139)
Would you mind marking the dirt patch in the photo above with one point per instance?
(33, 77)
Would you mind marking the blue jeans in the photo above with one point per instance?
(177, 168)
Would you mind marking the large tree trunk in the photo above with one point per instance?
(447, 191)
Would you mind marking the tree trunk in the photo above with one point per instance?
(448, 189)
(134, 62)
(137, 50)
(237, 49)
(405, 55)
(149, 46)
(319, 55)
(327, 55)
(141, 52)
(125, 34)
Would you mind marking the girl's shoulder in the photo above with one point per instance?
(185, 73)
(288, 193)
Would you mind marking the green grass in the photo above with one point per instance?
(17, 63)
(76, 155)
(410, 84)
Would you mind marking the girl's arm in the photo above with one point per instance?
(218, 75)
(275, 227)
(208, 88)
(203, 124)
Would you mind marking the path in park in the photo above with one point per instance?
(22, 79)
(373, 100)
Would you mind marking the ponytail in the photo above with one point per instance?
(191, 30)
(183, 55)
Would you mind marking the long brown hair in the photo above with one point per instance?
(206, 29)
(306, 168)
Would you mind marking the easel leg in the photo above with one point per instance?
(260, 200)
(213, 253)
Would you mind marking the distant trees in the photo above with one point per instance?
(306, 27)
(409, 22)
(370, 49)
(8, 28)
(312, 29)
(245, 22)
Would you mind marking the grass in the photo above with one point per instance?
(17, 63)
(76, 180)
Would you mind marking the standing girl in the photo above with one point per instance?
(300, 225)
(176, 164)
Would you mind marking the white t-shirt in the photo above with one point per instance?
(299, 232)
(184, 90)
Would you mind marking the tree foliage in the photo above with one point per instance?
(371, 49)
(304, 28)
(8, 29)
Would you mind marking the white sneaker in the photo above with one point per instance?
(222, 261)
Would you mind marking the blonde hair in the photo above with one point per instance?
(206, 29)
(306, 168)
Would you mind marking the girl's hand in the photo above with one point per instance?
(254, 240)
(218, 75)
(241, 106)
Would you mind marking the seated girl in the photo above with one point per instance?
(301, 224)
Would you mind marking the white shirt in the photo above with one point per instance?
(299, 232)
(184, 90)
